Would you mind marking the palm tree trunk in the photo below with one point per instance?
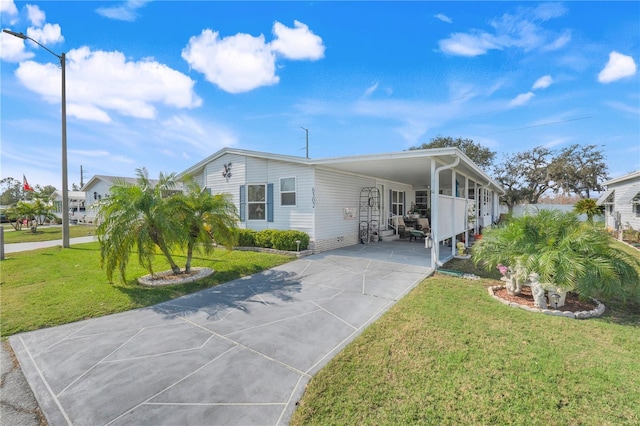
(187, 266)
(163, 248)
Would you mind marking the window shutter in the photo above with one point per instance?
(242, 203)
(390, 201)
(269, 202)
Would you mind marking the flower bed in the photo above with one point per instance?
(573, 308)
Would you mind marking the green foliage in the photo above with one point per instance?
(247, 237)
(479, 154)
(589, 207)
(11, 191)
(264, 238)
(527, 175)
(286, 240)
(563, 251)
(273, 238)
(137, 217)
(207, 220)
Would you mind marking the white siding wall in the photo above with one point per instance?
(251, 170)
(333, 193)
(101, 188)
(628, 216)
(220, 184)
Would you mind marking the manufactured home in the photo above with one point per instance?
(621, 202)
(344, 201)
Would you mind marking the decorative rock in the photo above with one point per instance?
(568, 314)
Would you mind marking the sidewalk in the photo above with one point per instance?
(17, 247)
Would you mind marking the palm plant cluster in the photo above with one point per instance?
(566, 253)
(148, 216)
(35, 212)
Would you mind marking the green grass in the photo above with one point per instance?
(48, 287)
(44, 233)
(448, 353)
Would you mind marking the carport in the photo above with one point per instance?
(460, 197)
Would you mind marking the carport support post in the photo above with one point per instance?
(435, 189)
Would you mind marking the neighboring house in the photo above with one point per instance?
(333, 199)
(621, 202)
(96, 189)
(99, 186)
(76, 202)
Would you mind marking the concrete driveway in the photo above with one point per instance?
(239, 353)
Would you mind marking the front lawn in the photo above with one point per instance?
(449, 354)
(48, 287)
(45, 233)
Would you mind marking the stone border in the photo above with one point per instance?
(156, 280)
(298, 254)
(594, 313)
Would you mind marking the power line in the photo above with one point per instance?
(544, 124)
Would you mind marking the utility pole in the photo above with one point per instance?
(82, 172)
(307, 138)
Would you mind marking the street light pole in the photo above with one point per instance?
(65, 184)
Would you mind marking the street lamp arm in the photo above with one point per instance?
(26, 37)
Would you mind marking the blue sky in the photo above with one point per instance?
(164, 84)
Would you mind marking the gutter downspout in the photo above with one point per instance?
(435, 191)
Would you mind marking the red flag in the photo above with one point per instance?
(25, 184)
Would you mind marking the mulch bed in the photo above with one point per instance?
(572, 302)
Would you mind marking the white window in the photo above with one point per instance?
(288, 191)
(256, 201)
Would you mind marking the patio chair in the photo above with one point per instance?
(422, 224)
(403, 229)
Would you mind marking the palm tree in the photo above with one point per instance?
(206, 219)
(137, 216)
(564, 252)
(589, 207)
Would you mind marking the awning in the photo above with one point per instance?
(629, 194)
(604, 196)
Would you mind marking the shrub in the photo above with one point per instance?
(564, 252)
(246, 238)
(264, 238)
(286, 240)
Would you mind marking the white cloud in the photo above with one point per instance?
(8, 7)
(443, 18)
(242, 62)
(199, 138)
(106, 81)
(125, 12)
(469, 44)
(35, 15)
(521, 29)
(12, 49)
(619, 66)
(543, 82)
(297, 43)
(48, 34)
(620, 106)
(521, 99)
(558, 43)
(371, 89)
(237, 63)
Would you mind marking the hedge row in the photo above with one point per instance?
(273, 238)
